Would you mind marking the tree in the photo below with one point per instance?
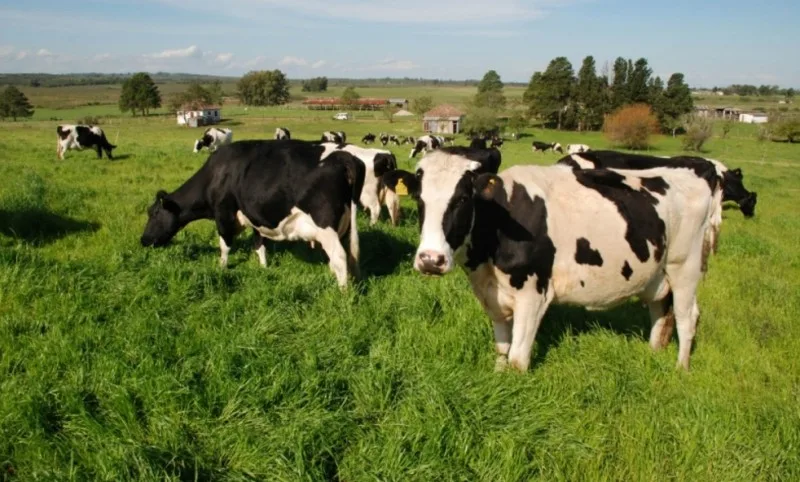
(676, 102)
(490, 92)
(786, 127)
(490, 83)
(631, 126)
(350, 96)
(421, 105)
(590, 95)
(317, 84)
(14, 104)
(480, 120)
(619, 84)
(548, 92)
(216, 94)
(638, 79)
(789, 93)
(263, 87)
(698, 131)
(517, 122)
(139, 93)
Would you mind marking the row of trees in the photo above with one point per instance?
(752, 90)
(317, 84)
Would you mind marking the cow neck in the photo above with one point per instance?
(483, 240)
(191, 198)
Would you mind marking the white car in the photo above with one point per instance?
(342, 116)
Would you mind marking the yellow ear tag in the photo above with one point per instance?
(491, 181)
(401, 188)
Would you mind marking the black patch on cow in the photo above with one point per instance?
(627, 271)
(582, 284)
(490, 158)
(478, 143)
(584, 254)
(457, 219)
(62, 133)
(655, 184)
(637, 208)
(384, 163)
(513, 234)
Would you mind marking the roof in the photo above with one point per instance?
(193, 107)
(444, 110)
(397, 100)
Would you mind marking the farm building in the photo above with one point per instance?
(398, 102)
(403, 113)
(753, 118)
(443, 119)
(717, 112)
(335, 103)
(196, 116)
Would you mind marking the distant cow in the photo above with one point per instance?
(543, 146)
(409, 140)
(535, 235)
(576, 148)
(377, 162)
(330, 136)
(280, 189)
(426, 143)
(368, 139)
(394, 139)
(384, 138)
(213, 138)
(282, 134)
(80, 137)
(732, 187)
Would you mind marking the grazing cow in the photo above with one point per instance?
(497, 141)
(282, 134)
(368, 139)
(535, 235)
(409, 140)
(329, 136)
(377, 162)
(576, 148)
(81, 136)
(394, 139)
(213, 138)
(278, 188)
(731, 179)
(384, 138)
(426, 143)
(544, 146)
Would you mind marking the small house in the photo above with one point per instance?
(443, 119)
(196, 116)
(753, 118)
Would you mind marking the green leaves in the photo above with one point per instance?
(263, 87)
(139, 93)
(13, 103)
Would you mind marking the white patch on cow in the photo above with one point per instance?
(583, 163)
(577, 148)
(442, 172)
(219, 137)
(224, 250)
(261, 252)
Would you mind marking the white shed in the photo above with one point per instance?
(195, 116)
(753, 118)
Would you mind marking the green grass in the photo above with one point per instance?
(118, 362)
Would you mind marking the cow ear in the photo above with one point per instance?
(737, 172)
(167, 202)
(488, 186)
(402, 182)
(161, 194)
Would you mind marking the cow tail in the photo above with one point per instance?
(713, 222)
(359, 171)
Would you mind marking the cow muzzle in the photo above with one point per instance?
(431, 263)
(748, 205)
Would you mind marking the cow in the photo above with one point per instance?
(329, 136)
(731, 179)
(426, 143)
(384, 138)
(82, 136)
(448, 140)
(497, 141)
(478, 143)
(280, 189)
(576, 148)
(282, 134)
(377, 162)
(368, 139)
(394, 139)
(536, 235)
(213, 138)
(409, 140)
(544, 146)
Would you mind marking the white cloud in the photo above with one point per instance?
(6, 51)
(318, 64)
(44, 53)
(102, 57)
(21, 54)
(191, 51)
(289, 60)
(223, 58)
(392, 64)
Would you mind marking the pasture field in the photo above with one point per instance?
(124, 363)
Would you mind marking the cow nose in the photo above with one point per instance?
(431, 262)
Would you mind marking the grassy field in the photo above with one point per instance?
(124, 363)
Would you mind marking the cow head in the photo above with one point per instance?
(734, 190)
(444, 186)
(204, 141)
(162, 221)
(557, 147)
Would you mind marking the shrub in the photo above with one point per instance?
(787, 128)
(698, 131)
(631, 126)
(726, 128)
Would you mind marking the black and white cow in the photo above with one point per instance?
(478, 143)
(534, 235)
(368, 139)
(731, 179)
(426, 143)
(394, 139)
(377, 162)
(282, 134)
(409, 140)
(497, 141)
(278, 188)
(213, 138)
(330, 136)
(384, 138)
(544, 146)
(577, 148)
(80, 137)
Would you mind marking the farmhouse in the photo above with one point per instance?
(195, 116)
(717, 112)
(399, 102)
(443, 119)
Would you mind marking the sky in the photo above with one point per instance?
(711, 42)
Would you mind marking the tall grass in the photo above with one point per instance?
(119, 362)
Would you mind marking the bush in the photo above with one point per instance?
(698, 131)
(787, 128)
(726, 128)
(631, 126)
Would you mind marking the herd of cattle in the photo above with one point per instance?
(593, 230)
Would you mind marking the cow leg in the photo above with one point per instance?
(260, 248)
(529, 308)
(684, 280)
(99, 150)
(502, 342)
(662, 317)
(392, 202)
(328, 239)
(228, 228)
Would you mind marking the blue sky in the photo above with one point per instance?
(712, 42)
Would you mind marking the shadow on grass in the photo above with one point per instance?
(122, 157)
(631, 320)
(40, 226)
